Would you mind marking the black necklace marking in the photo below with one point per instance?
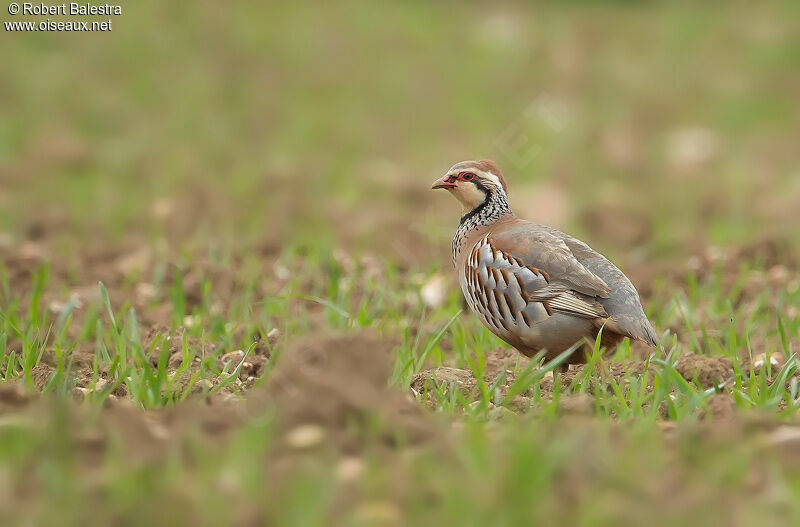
(477, 210)
(494, 206)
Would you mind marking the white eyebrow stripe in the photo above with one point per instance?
(491, 177)
(482, 173)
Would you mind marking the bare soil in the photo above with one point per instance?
(330, 392)
(75, 279)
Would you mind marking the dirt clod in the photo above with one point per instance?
(721, 407)
(41, 374)
(707, 371)
(576, 404)
(12, 397)
(462, 380)
(338, 383)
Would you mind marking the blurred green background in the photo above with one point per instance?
(662, 126)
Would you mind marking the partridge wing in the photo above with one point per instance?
(510, 295)
(549, 254)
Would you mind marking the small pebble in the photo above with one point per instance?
(157, 430)
(234, 356)
(305, 436)
(203, 385)
(434, 292)
(273, 336)
(282, 273)
(776, 360)
(145, 292)
(79, 392)
(349, 469)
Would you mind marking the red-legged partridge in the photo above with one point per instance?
(531, 285)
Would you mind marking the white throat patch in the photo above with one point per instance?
(469, 195)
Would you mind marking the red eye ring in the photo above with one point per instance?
(467, 176)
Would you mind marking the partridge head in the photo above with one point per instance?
(533, 286)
